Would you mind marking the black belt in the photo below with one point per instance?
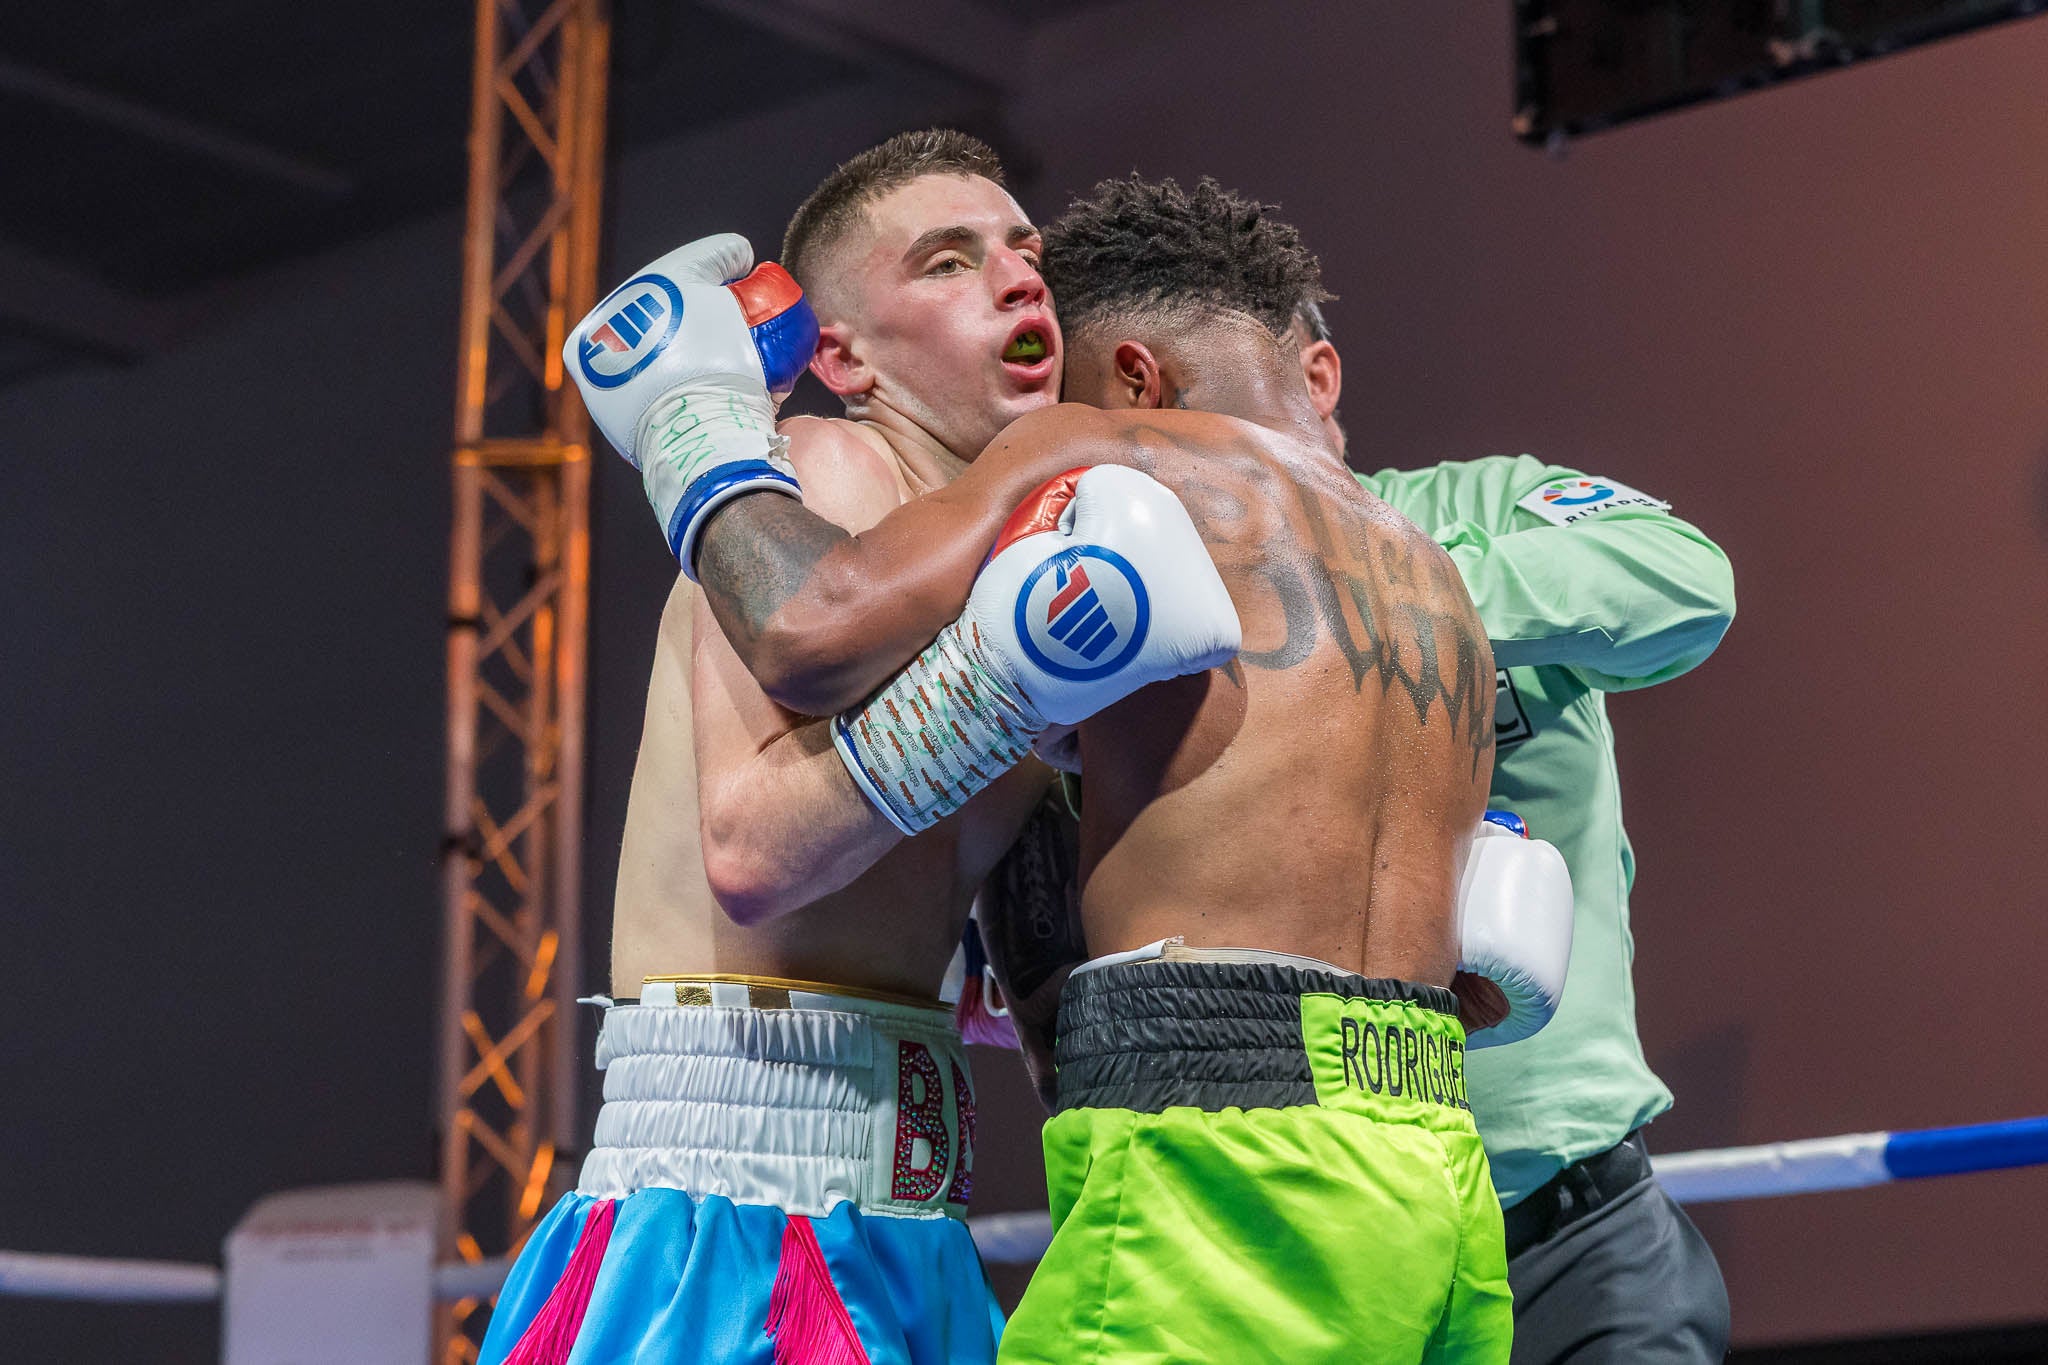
(1576, 1191)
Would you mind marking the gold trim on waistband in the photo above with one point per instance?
(772, 992)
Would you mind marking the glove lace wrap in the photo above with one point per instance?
(937, 733)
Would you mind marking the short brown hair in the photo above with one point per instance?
(836, 205)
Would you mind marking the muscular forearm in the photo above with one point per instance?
(821, 617)
(788, 828)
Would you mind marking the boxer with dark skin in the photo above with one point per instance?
(1260, 1123)
(1234, 807)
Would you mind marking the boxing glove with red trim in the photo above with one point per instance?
(683, 367)
(1098, 585)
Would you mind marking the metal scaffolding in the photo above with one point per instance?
(517, 599)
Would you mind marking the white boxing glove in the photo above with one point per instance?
(1098, 585)
(683, 367)
(1515, 925)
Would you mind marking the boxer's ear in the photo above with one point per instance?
(840, 361)
(1324, 372)
(1135, 376)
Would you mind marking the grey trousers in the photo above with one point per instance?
(1632, 1283)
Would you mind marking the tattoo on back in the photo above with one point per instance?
(1389, 601)
(1328, 558)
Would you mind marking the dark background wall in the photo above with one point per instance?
(1816, 319)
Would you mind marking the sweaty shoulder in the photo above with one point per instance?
(846, 479)
(1086, 435)
(1060, 424)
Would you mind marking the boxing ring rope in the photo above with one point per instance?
(1808, 1166)
(1843, 1163)
(101, 1279)
(1773, 1169)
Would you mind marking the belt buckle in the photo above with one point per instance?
(726, 992)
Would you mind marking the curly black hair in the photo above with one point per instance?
(1144, 246)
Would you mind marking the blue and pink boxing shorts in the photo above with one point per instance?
(779, 1177)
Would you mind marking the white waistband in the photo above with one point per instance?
(1177, 950)
(798, 1108)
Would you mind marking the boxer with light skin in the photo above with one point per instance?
(782, 1089)
(936, 331)
(924, 296)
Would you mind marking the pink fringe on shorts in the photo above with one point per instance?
(553, 1330)
(978, 1024)
(806, 1316)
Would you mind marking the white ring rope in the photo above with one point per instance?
(27, 1275)
(102, 1279)
(1775, 1168)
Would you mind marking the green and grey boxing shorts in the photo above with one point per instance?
(1254, 1161)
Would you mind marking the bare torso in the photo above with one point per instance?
(893, 928)
(1318, 796)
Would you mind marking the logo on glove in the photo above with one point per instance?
(1082, 614)
(639, 318)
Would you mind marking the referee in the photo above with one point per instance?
(1586, 586)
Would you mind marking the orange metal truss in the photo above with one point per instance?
(517, 601)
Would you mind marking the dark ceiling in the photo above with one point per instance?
(156, 151)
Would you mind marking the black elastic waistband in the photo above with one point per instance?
(1148, 1036)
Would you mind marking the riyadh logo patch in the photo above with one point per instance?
(1576, 492)
(1082, 614)
(634, 324)
(1564, 501)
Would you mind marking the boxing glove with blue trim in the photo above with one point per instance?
(683, 367)
(1515, 924)
(1097, 585)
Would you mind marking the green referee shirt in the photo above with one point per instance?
(1586, 586)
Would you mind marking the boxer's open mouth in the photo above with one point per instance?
(1026, 348)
